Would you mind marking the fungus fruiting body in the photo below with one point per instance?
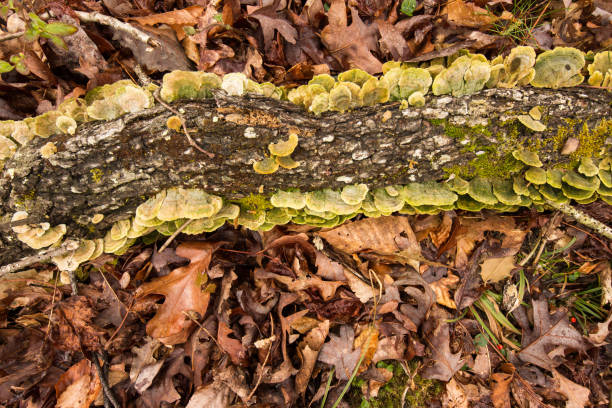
(531, 183)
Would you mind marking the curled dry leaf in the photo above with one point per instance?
(78, 387)
(500, 388)
(339, 352)
(577, 395)
(183, 289)
(308, 352)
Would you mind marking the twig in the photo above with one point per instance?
(10, 36)
(5, 226)
(107, 391)
(177, 113)
(178, 231)
(263, 366)
(95, 17)
(583, 219)
(40, 257)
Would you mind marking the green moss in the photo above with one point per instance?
(256, 202)
(591, 141)
(96, 175)
(420, 391)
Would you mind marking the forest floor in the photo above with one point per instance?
(456, 309)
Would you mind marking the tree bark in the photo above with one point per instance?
(111, 167)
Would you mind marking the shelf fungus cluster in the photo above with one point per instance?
(461, 74)
(280, 155)
(194, 211)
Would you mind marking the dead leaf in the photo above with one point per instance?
(468, 14)
(351, 45)
(233, 347)
(144, 366)
(270, 20)
(78, 387)
(183, 289)
(362, 290)
(454, 397)
(445, 364)
(598, 338)
(213, 395)
(500, 388)
(577, 395)
(73, 327)
(442, 288)
(493, 270)
(390, 235)
(550, 337)
(308, 352)
(339, 352)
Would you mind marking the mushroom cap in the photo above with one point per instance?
(517, 65)
(171, 207)
(581, 182)
(587, 167)
(328, 200)
(251, 219)
(554, 177)
(120, 229)
(385, 202)
(373, 92)
(325, 80)
(18, 216)
(414, 80)
(199, 204)
(49, 237)
(416, 99)
(7, 148)
(150, 208)
(458, 185)
(286, 162)
(503, 191)
(340, 98)
(234, 83)
(355, 75)
(319, 103)
(66, 124)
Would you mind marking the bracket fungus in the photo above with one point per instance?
(600, 71)
(466, 75)
(528, 184)
(559, 68)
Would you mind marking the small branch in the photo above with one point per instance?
(171, 238)
(584, 219)
(40, 257)
(107, 391)
(95, 17)
(10, 36)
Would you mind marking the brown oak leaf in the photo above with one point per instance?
(183, 289)
(350, 45)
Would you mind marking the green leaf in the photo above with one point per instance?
(218, 18)
(59, 42)
(15, 58)
(408, 7)
(36, 22)
(189, 30)
(5, 67)
(31, 34)
(60, 29)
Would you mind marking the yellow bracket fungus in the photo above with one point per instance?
(600, 71)
(174, 123)
(265, 166)
(284, 148)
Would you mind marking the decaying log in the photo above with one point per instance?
(111, 167)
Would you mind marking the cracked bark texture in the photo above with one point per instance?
(111, 167)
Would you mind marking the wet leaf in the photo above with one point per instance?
(496, 269)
